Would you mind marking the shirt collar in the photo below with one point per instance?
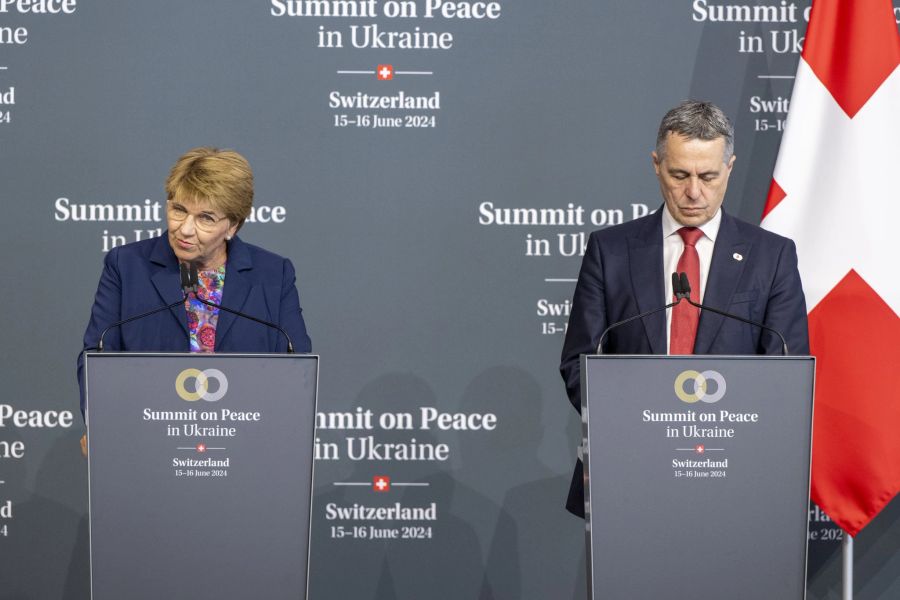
(670, 226)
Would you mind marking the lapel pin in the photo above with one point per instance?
(737, 256)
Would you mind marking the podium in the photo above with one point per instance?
(697, 472)
(200, 474)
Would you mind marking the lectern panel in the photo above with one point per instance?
(200, 470)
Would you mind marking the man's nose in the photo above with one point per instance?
(693, 188)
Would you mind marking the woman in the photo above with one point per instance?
(209, 195)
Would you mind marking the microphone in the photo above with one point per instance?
(188, 285)
(680, 294)
(685, 285)
(681, 288)
(190, 281)
(140, 316)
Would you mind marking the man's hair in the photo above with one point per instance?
(221, 177)
(696, 120)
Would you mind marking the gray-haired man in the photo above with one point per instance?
(733, 266)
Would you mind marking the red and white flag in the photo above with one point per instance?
(836, 192)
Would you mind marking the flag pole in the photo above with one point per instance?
(847, 567)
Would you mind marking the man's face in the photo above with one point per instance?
(693, 178)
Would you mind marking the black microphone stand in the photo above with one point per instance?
(680, 294)
(685, 285)
(135, 318)
(191, 289)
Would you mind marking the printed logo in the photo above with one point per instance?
(381, 483)
(200, 385)
(691, 386)
(385, 72)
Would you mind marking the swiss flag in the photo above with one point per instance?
(384, 72)
(381, 483)
(835, 191)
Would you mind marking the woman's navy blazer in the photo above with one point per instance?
(144, 275)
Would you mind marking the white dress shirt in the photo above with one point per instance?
(673, 246)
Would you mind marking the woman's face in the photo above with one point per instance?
(197, 232)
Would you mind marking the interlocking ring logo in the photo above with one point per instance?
(699, 386)
(201, 385)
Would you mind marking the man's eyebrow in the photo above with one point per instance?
(674, 171)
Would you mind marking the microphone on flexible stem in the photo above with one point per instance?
(192, 278)
(680, 288)
(184, 291)
(189, 278)
(679, 293)
(685, 285)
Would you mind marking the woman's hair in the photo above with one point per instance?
(221, 177)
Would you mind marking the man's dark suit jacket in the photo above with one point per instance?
(753, 274)
(144, 275)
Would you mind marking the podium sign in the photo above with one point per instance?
(697, 475)
(200, 472)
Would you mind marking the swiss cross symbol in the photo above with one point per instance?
(700, 449)
(201, 447)
(381, 483)
(385, 72)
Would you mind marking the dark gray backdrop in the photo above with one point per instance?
(410, 299)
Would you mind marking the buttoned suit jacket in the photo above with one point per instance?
(144, 275)
(753, 274)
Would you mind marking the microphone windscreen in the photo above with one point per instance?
(685, 284)
(194, 274)
(184, 270)
(676, 285)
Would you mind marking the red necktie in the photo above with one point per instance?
(684, 316)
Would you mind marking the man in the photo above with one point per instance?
(732, 266)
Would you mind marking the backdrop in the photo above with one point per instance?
(432, 168)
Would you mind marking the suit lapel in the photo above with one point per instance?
(167, 280)
(724, 273)
(238, 283)
(645, 255)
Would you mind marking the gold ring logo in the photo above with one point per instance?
(699, 386)
(200, 385)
